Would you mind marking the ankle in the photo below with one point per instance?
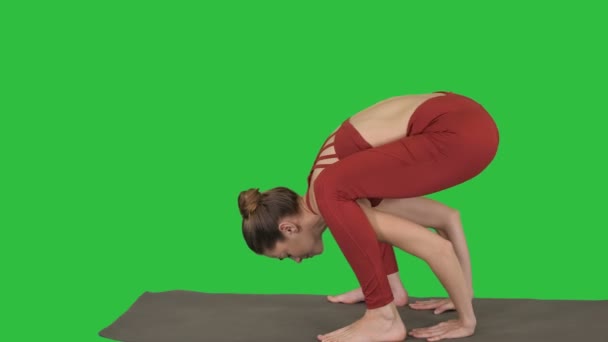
(394, 278)
(388, 312)
(395, 281)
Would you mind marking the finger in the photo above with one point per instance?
(428, 301)
(447, 325)
(434, 303)
(435, 328)
(430, 332)
(447, 334)
(442, 309)
(425, 304)
(423, 307)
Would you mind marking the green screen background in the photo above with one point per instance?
(129, 129)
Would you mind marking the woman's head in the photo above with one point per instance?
(276, 225)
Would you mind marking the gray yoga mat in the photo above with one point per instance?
(185, 316)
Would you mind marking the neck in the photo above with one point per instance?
(307, 215)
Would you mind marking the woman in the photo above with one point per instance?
(366, 186)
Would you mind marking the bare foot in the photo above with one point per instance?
(382, 324)
(355, 296)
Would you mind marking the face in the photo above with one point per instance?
(300, 243)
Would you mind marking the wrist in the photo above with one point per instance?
(470, 322)
(467, 316)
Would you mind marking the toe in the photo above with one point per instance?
(332, 299)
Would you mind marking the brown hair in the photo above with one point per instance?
(261, 213)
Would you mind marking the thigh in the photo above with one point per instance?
(410, 167)
(422, 210)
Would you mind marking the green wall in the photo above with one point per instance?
(127, 131)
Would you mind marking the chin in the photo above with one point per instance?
(319, 250)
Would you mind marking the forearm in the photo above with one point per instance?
(448, 270)
(430, 213)
(455, 234)
(438, 253)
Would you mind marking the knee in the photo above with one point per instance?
(452, 217)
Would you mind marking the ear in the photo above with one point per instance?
(288, 227)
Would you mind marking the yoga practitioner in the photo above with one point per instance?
(366, 186)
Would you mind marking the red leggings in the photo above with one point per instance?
(450, 140)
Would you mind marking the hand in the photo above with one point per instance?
(451, 329)
(440, 305)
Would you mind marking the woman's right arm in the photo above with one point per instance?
(445, 220)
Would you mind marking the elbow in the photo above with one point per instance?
(449, 219)
(452, 217)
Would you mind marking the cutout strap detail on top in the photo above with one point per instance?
(316, 165)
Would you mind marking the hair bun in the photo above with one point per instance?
(249, 201)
